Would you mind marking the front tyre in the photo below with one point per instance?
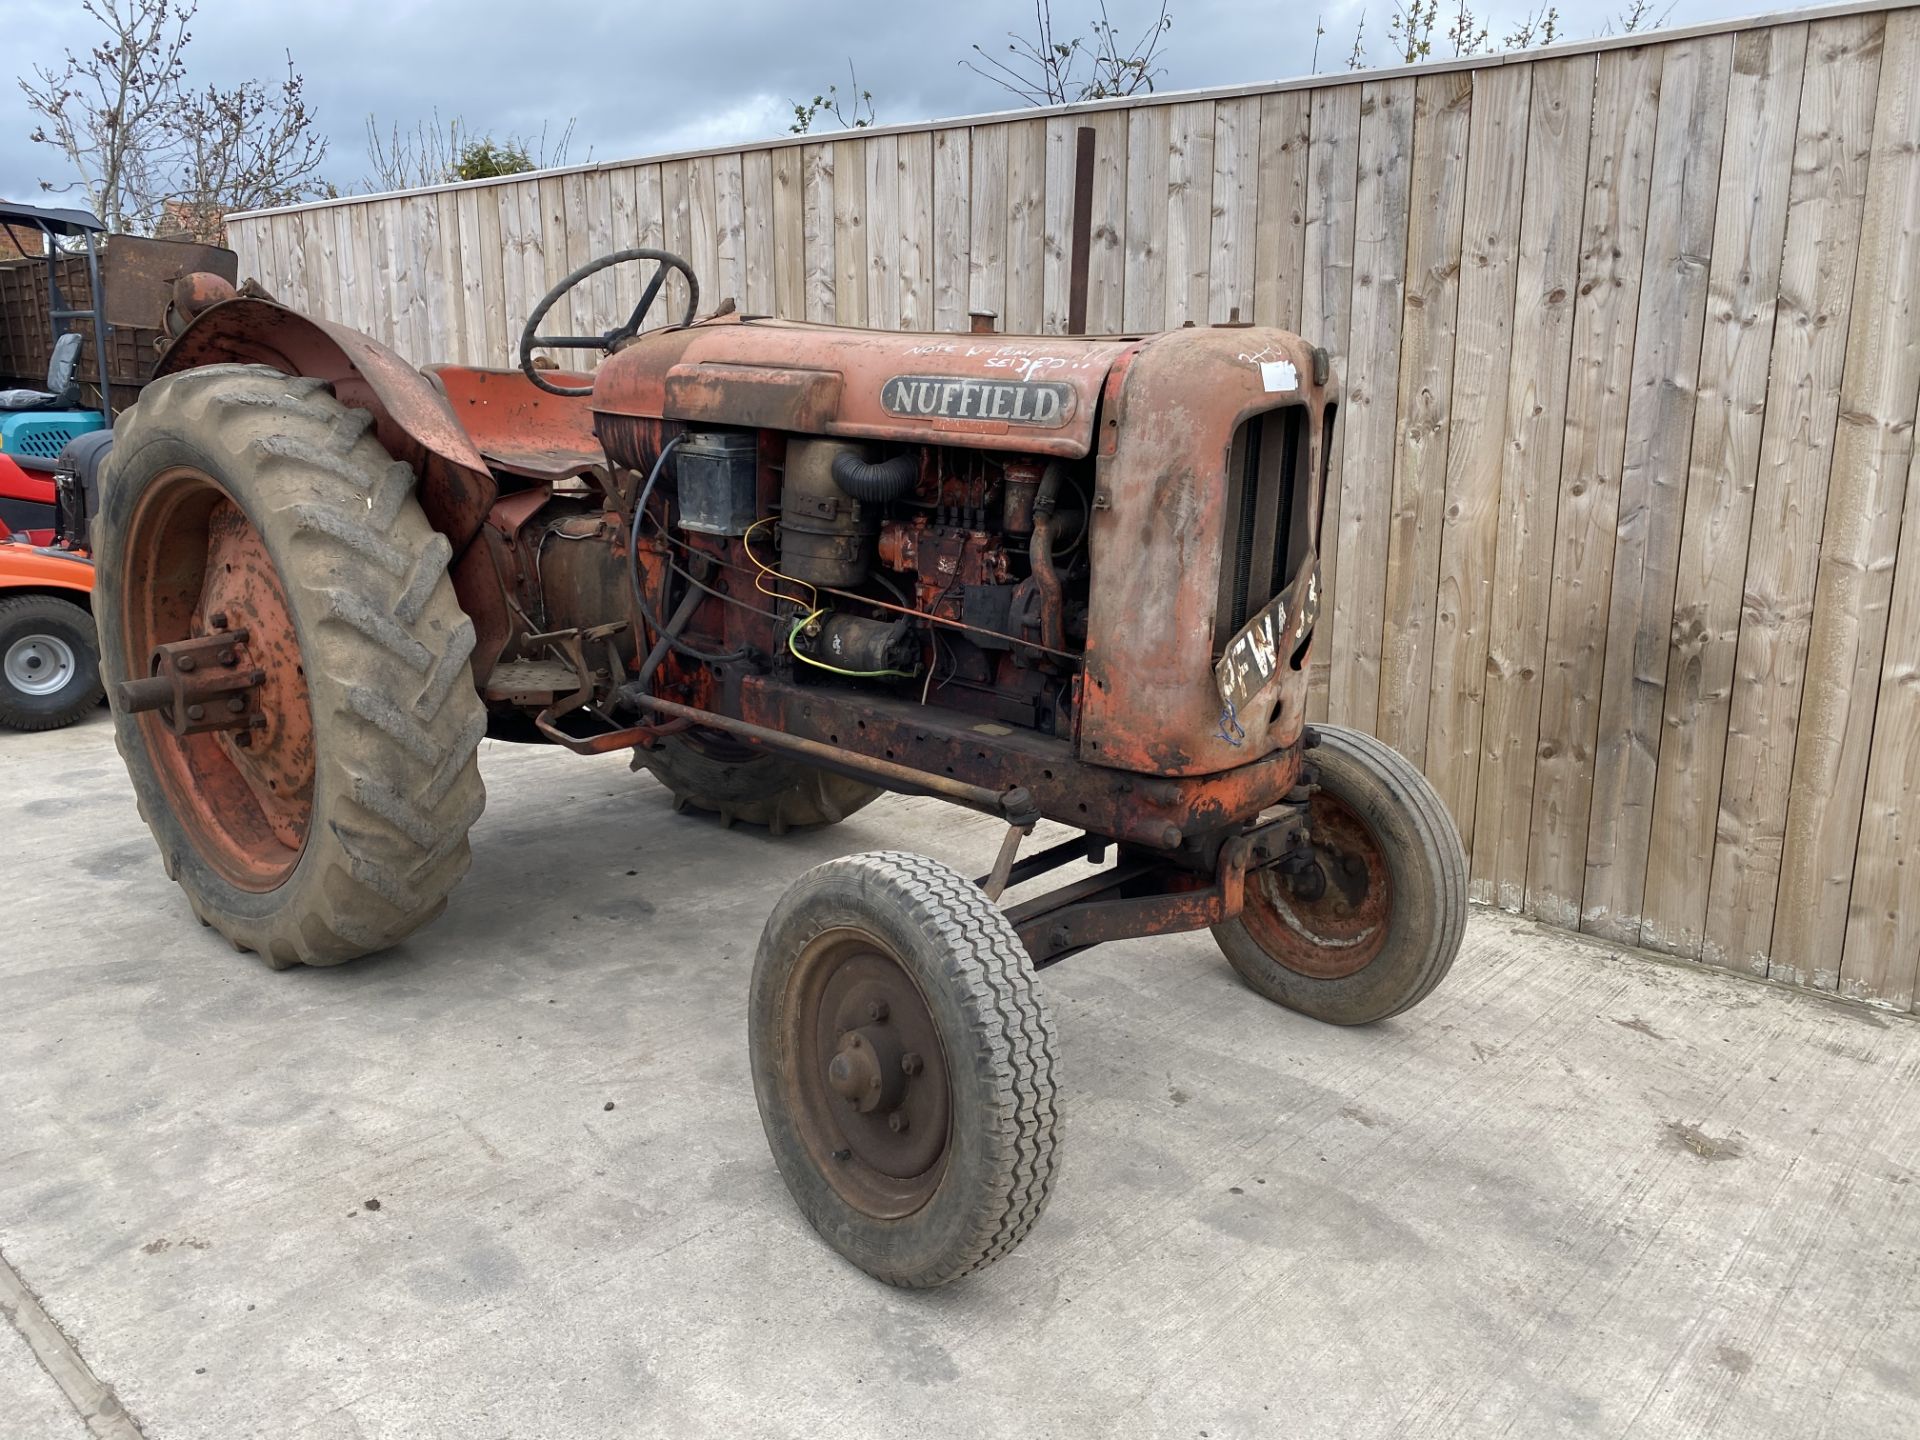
(238, 498)
(1372, 924)
(903, 1062)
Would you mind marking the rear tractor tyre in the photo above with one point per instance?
(738, 784)
(240, 498)
(903, 1061)
(49, 662)
(1373, 926)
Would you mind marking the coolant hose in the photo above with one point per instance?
(872, 484)
(1040, 557)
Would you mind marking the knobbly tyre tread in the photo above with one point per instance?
(1434, 837)
(771, 790)
(384, 643)
(1013, 1066)
(26, 713)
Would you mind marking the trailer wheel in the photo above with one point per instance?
(239, 498)
(737, 783)
(1375, 923)
(903, 1062)
(49, 662)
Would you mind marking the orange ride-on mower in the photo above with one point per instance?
(49, 656)
(788, 567)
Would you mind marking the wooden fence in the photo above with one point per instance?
(1630, 335)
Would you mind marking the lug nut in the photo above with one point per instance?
(911, 1064)
(897, 1121)
(257, 677)
(228, 658)
(877, 1011)
(218, 620)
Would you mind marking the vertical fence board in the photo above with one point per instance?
(1829, 187)
(1872, 450)
(1442, 112)
(1882, 956)
(817, 220)
(1326, 313)
(1235, 186)
(1484, 342)
(1146, 282)
(788, 233)
(1574, 108)
(1653, 474)
(883, 232)
(916, 232)
(1057, 227)
(987, 222)
(1279, 240)
(1188, 216)
(1373, 369)
(951, 229)
(1619, 172)
(1026, 227)
(1107, 264)
(1743, 285)
(849, 234)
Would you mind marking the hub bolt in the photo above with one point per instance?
(911, 1064)
(897, 1121)
(877, 1011)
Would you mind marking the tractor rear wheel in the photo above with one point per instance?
(49, 662)
(239, 499)
(1374, 922)
(903, 1061)
(736, 783)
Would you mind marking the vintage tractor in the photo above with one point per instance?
(789, 567)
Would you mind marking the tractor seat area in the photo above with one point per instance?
(36, 425)
(63, 390)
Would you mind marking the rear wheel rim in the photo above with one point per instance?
(198, 566)
(40, 665)
(866, 1074)
(1340, 930)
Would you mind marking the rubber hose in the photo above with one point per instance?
(872, 484)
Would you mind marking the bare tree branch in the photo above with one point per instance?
(1042, 69)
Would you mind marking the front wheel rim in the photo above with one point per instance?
(866, 1074)
(40, 665)
(1329, 920)
(196, 566)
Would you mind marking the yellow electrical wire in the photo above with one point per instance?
(767, 572)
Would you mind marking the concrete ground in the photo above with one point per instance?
(1575, 1193)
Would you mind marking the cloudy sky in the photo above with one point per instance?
(641, 78)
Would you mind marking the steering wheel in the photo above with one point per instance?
(531, 340)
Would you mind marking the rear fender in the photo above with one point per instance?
(411, 416)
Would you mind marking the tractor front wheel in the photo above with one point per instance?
(903, 1062)
(253, 523)
(1371, 919)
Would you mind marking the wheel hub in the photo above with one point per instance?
(40, 664)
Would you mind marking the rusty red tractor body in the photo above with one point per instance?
(788, 567)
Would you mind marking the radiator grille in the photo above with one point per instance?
(1267, 535)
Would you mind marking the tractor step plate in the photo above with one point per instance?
(524, 681)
